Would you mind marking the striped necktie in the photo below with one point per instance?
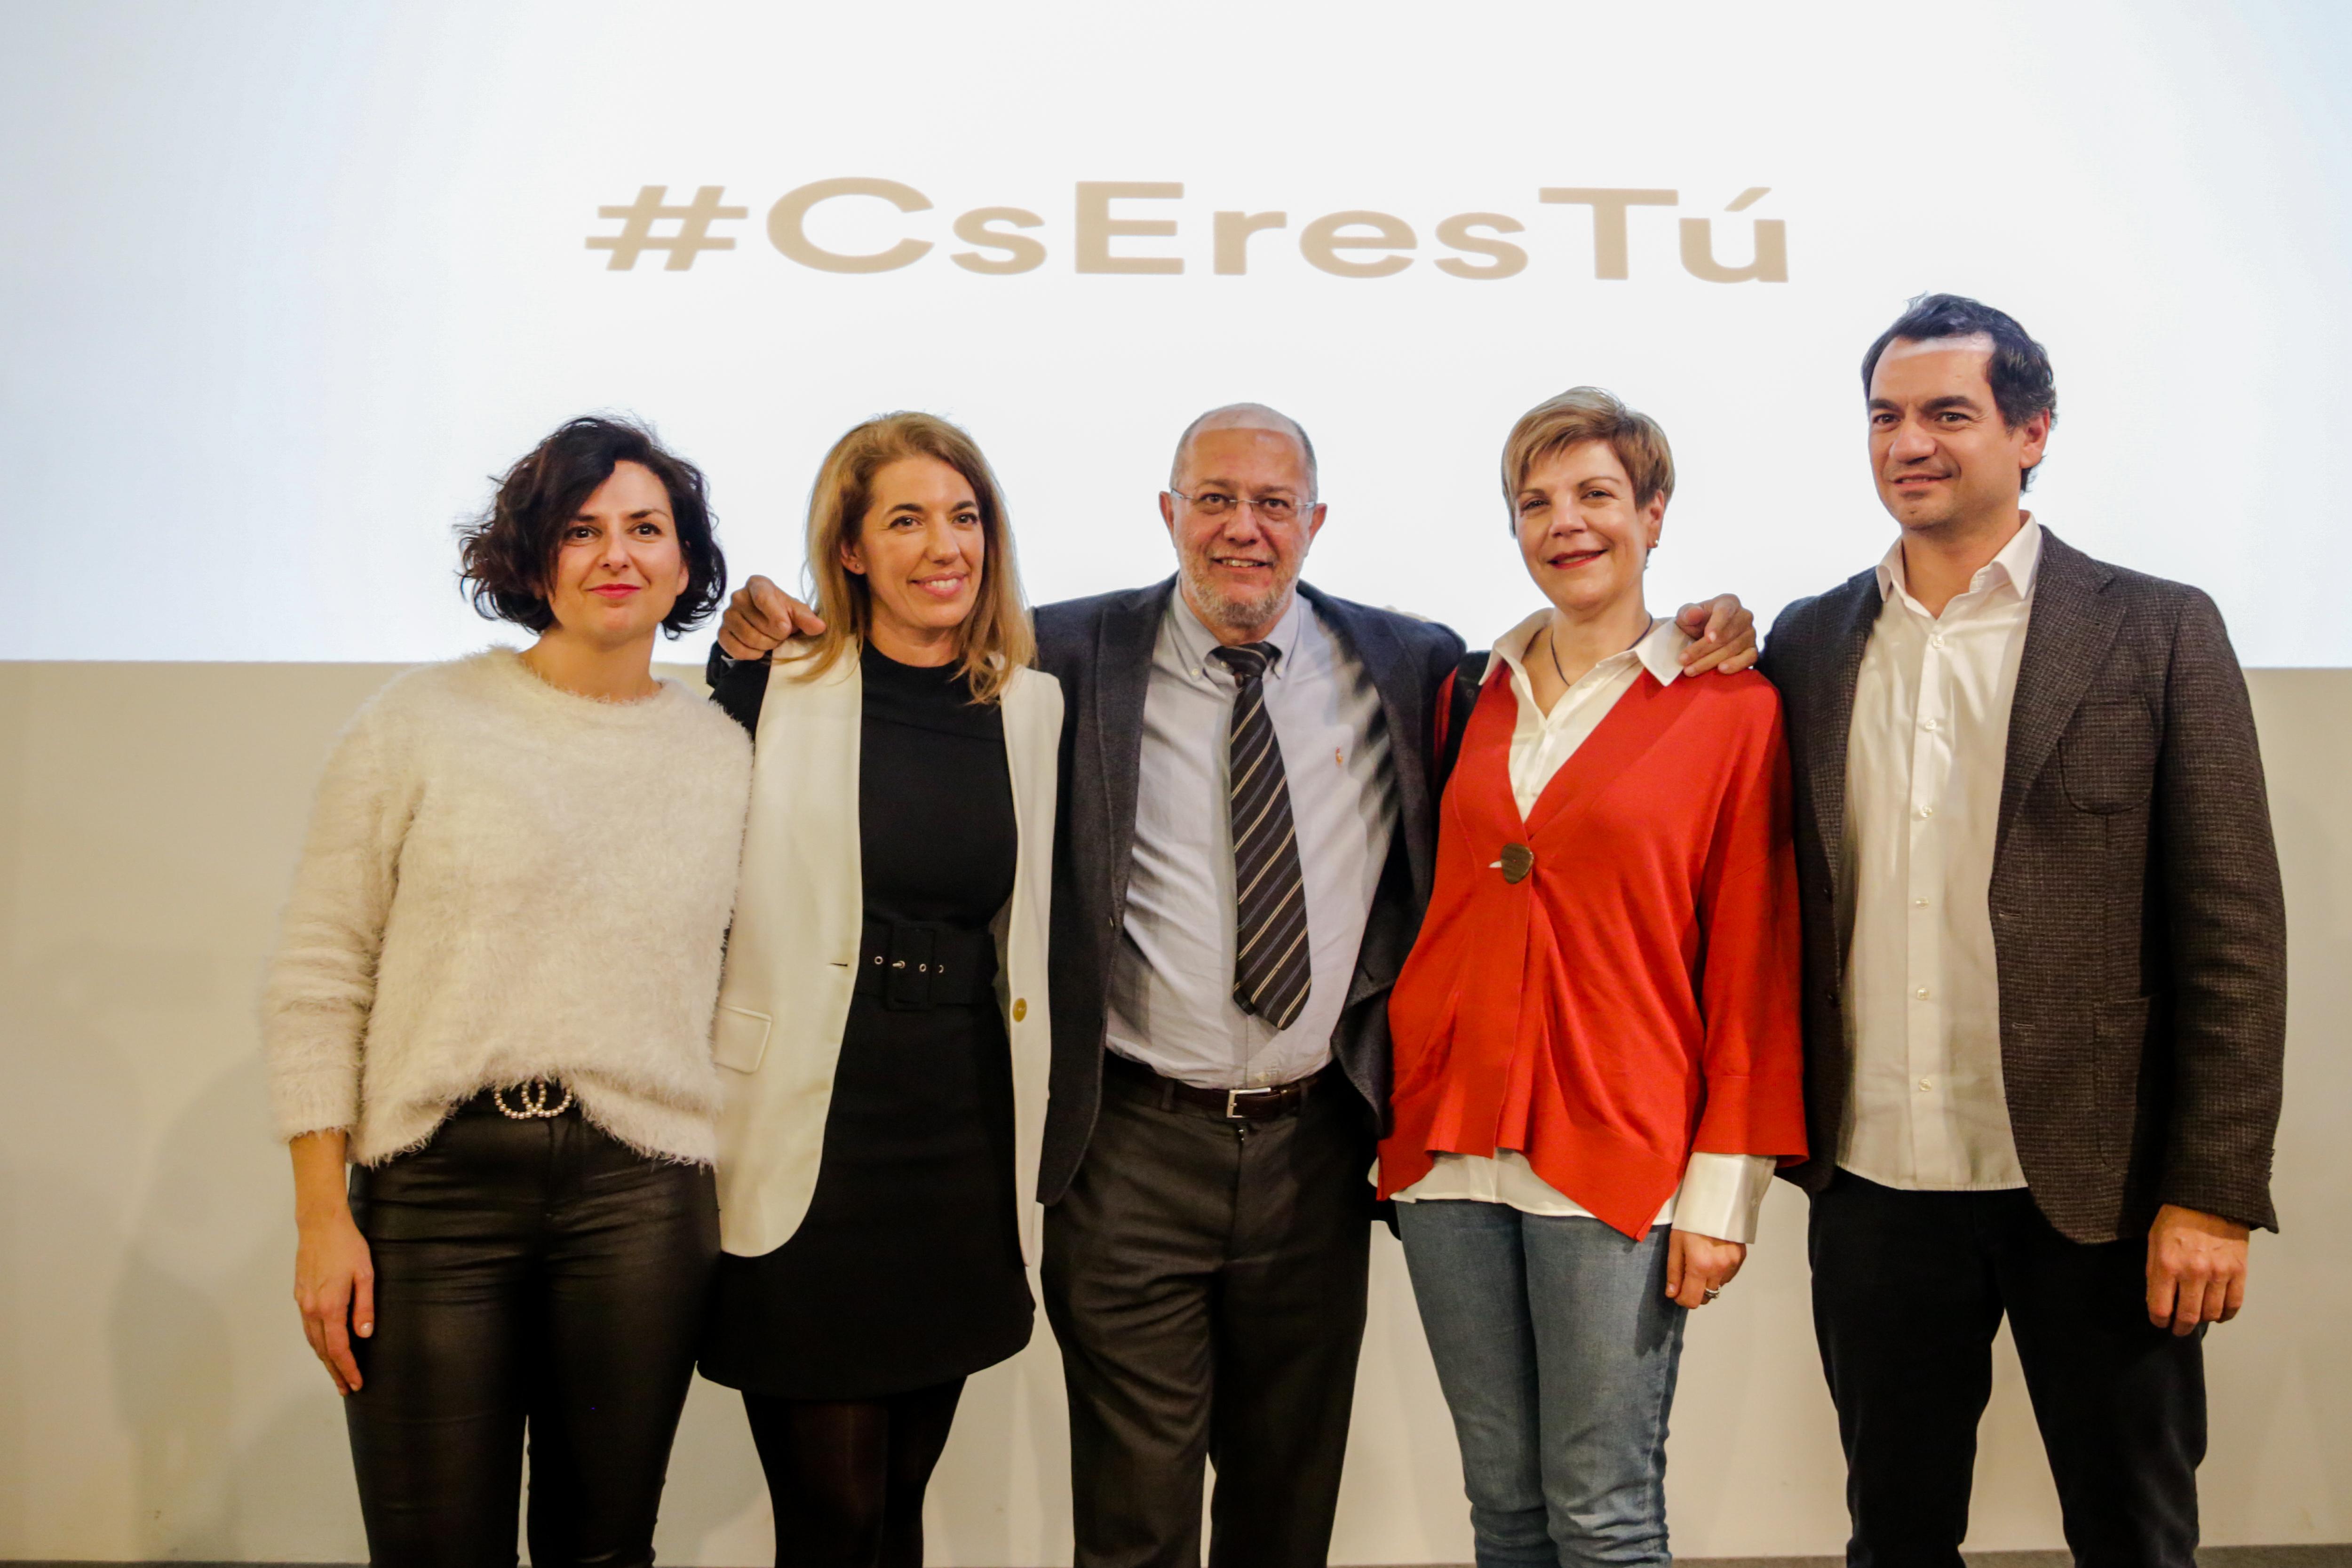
(1272, 971)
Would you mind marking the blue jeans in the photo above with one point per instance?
(1557, 1348)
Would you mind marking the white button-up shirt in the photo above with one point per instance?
(1171, 989)
(1720, 1194)
(1925, 755)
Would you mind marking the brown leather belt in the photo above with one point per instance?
(1230, 1104)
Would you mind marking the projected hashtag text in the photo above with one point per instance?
(637, 236)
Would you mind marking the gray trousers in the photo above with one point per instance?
(1206, 1281)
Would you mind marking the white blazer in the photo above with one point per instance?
(792, 959)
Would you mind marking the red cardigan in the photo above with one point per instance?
(1635, 998)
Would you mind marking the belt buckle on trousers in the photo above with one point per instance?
(1234, 1097)
(536, 1100)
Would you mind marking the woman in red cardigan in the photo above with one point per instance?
(1597, 1056)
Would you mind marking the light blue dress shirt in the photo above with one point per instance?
(1171, 993)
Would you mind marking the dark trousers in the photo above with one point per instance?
(529, 1275)
(1205, 1279)
(1908, 1290)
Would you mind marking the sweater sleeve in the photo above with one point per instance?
(1752, 1058)
(322, 982)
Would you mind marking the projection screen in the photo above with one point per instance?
(287, 284)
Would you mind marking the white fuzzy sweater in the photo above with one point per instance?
(502, 881)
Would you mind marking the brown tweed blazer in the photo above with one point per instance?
(2138, 927)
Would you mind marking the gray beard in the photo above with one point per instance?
(1221, 609)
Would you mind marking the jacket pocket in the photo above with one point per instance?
(2107, 756)
(2118, 1044)
(739, 1038)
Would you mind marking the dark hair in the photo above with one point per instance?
(506, 555)
(2018, 371)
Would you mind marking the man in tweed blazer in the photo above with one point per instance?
(2044, 957)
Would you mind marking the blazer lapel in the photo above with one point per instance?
(1124, 640)
(2067, 636)
(1033, 744)
(804, 794)
(1402, 708)
(1824, 739)
(1029, 744)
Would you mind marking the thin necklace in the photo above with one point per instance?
(1551, 647)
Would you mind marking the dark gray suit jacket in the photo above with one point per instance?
(2139, 928)
(1100, 650)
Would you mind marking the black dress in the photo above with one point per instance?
(907, 1271)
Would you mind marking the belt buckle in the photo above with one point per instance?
(1234, 1097)
(536, 1101)
(906, 985)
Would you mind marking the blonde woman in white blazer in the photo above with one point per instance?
(881, 1032)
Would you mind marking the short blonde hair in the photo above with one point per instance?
(997, 638)
(1584, 413)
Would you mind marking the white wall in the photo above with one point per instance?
(156, 1399)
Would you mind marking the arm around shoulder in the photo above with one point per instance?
(738, 686)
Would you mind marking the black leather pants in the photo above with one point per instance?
(529, 1275)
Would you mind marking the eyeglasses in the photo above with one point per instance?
(1217, 504)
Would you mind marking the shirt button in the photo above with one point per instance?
(1921, 994)
(1927, 1086)
(1936, 641)
(1928, 725)
(1918, 903)
(1927, 811)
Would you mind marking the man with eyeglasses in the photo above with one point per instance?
(1246, 843)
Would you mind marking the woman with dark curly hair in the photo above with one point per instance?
(491, 1009)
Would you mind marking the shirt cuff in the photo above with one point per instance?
(1722, 1195)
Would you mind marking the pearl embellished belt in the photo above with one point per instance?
(534, 1099)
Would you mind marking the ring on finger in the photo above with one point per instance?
(1709, 1294)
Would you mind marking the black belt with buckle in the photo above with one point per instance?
(534, 1099)
(913, 964)
(1232, 1104)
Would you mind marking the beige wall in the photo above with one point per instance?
(156, 1399)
